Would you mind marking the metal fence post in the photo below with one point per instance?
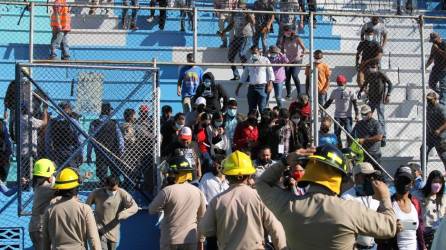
(18, 85)
(31, 32)
(195, 34)
(423, 82)
(156, 102)
(312, 86)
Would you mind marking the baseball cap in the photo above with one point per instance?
(144, 108)
(431, 95)
(274, 49)
(186, 133)
(200, 100)
(341, 79)
(365, 109)
(364, 168)
(433, 36)
(404, 171)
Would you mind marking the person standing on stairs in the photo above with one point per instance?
(241, 42)
(61, 26)
(369, 51)
(188, 80)
(323, 79)
(134, 3)
(379, 31)
(224, 17)
(260, 81)
(438, 73)
(263, 23)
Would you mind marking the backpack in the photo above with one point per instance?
(63, 134)
(107, 135)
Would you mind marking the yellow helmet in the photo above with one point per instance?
(238, 163)
(44, 168)
(68, 178)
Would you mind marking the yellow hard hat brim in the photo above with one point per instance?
(65, 186)
(237, 172)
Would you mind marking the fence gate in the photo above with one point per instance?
(101, 120)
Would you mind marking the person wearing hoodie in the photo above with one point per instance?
(212, 92)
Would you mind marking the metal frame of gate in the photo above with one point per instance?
(151, 77)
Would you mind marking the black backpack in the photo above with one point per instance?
(63, 134)
(107, 135)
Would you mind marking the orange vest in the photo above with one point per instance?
(61, 16)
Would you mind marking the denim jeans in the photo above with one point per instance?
(134, 11)
(277, 94)
(438, 77)
(294, 73)
(263, 36)
(381, 117)
(346, 123)
(59, 38)
(239, 46)
(257, 97)
(321, 98)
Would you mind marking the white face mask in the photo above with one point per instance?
(373, 70)
(369, 38)
(255, 57)
(52, 181)
(111, 193)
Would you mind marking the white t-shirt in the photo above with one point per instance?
(343, 99)
(212, 185)
(378, 30)
(407, 239)
(368, 202)
(24, 136)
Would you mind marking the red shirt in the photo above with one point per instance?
(244, 134)
(202, 140)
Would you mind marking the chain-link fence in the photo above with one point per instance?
(101, 120)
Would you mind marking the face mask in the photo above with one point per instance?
(218, 123)
(111, 193)
(287, 34)
(178, 126)
(296, 120)
(365, 117)
(343, 87)
(52, 181)
(435, 187)
(373, 70)
(297, 175)
(255, 57)
(232, 112)
(274, 55)
(207, 83)
(317, 60)
(369, 38)
(402, 188)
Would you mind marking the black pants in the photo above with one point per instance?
(163, 13)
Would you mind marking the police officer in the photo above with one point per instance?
(69, 224)
(112, 205)
(237, 217)
(320, 219)
(183, 205)
(43, 181)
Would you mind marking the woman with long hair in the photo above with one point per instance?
(433, 204)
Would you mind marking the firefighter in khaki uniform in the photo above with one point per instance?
(69, 224)
(43, 181)
(237, 217)
(183, 205)
(320, 219)
(112, 204)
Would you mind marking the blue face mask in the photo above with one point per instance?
(232, 112)
(178, 126)
(207, 83)
(218, 123)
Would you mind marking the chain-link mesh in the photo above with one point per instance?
(117, 33)
(99, 120)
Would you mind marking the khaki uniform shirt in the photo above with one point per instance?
(69, 224)
(43, 195)
(320, 220)
(183, 206)
(238, 218)
(109, 210)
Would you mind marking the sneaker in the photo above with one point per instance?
(288, 96)
(383, 142)
(236, 78)
(65, 58)
(149, 19)
(182, 29)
